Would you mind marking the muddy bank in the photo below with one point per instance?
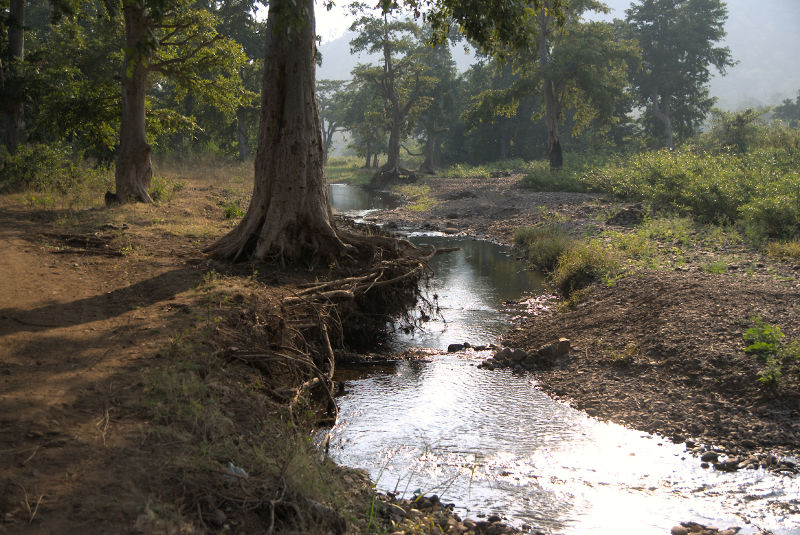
(663, 352)
(492, 209)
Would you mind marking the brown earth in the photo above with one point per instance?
(126, 407)
(662, 349)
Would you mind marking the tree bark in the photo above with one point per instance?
(289, 217)
(552, 110)
(134, 168)
(15, 108)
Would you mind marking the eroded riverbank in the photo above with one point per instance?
(716, 414)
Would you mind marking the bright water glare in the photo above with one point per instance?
(493, 442)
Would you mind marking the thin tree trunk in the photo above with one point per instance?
(289, 215)
(430, 163)
(134, 168)
(551, 105)
(241, 135)
(665, 116)
(15, 108)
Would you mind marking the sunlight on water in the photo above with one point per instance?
(492, 442)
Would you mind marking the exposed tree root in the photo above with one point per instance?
(293, 341)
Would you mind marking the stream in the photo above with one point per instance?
(494, 443)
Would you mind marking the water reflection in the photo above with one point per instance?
(358, 202)
(493, 442)
(471, 285)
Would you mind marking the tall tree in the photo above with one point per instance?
(365, 118)
(176, 40)
(789, 111)
(678, 40)
(289, 215)
(574, 65)
(331, 100)
(401, 79)
(12, 84)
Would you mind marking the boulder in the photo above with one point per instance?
(503, 355)
(518, 355)
(452, 348)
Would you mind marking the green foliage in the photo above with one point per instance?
(163, 189)
(583, 264)
(736, 131)
(762, 339)
(544, 245)
(465, 170)
(539, 176)
(757, 188)
(786, 250)
(678, 41)
(767, 343)
(46, 169)
(789, 111)
(232, 210)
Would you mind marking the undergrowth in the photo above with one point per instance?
(768, 344)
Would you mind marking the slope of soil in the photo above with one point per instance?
(663, 352)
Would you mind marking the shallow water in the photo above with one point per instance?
(493, 442)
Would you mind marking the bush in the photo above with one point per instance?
(767, 343)
(544, 244)
(583, 264)
(758, 188)
(42, 168)
(163, 189)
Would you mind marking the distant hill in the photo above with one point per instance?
(763, 37)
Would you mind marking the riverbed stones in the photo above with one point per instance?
(709, 457)
(518, 356)
(693, 528)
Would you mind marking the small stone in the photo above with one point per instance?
(704, 465)
(679, 530)
(709, 457)
(493, 518)
(453, 348)
(503, 354)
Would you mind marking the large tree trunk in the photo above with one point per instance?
(14, 126)
(289, 215)
(552, 110)
(134, 168)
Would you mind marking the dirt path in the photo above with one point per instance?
(76, 329)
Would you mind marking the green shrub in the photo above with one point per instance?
(544, 244)
(464, 170)
(767, 343)
(762, 339)
(163, 189)
(42, 168)
(583, 264)
(233, 210)
(539, 177)
(758, 188)
(789, 250)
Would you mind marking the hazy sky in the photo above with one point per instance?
(764, 37)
